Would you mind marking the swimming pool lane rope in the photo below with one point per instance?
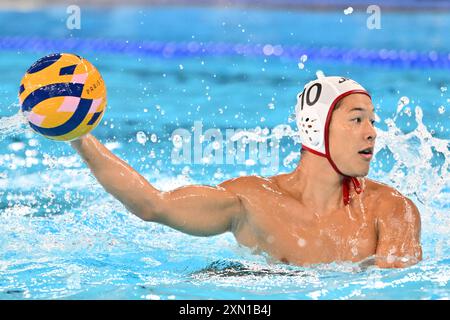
(388, 57)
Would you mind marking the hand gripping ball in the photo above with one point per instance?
(63, 96)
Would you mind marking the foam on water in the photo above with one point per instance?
(13, 125)
(57, 224)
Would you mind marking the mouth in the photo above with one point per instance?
(366, 153)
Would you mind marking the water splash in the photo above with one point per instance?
(88, 224)
(13, 125)
(421, 161)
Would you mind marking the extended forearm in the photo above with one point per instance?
(117, 177)
(196, 210)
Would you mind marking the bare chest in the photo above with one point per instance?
(294, 234)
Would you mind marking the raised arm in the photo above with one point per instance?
(398, 234)
(196, 210)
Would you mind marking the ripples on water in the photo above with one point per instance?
(62, 236)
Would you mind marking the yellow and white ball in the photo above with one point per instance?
(63, 96)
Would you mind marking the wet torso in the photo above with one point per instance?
(278, 224)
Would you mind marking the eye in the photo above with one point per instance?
(357, 120)
(372, 122)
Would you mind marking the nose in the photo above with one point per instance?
(370, 132)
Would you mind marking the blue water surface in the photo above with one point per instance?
(62, 236)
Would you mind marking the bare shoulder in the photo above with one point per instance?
(380, 190)
(245, 183)
(388, 199)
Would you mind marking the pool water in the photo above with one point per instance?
(63, 237)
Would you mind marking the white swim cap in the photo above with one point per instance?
(315, 105)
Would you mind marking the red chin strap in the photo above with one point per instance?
(346, 188)
(345, 182)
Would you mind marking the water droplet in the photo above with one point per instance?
(181, 67)
(301, 242)
(141, 138)
(33, 142)
(348, 11)
(153, 138)
(401, 103)
(31, 153)
(320, 74)
(441, 109)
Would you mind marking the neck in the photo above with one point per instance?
(316, 184)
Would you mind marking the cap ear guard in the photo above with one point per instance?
(309, 120)
(308, 123)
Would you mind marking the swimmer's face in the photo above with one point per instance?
(352, 135)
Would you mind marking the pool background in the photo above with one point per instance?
(62, 236)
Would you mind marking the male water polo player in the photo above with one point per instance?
(323, 211)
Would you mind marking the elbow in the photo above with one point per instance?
(148, 217)
(151, 214)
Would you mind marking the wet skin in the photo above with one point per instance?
(296, 218)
